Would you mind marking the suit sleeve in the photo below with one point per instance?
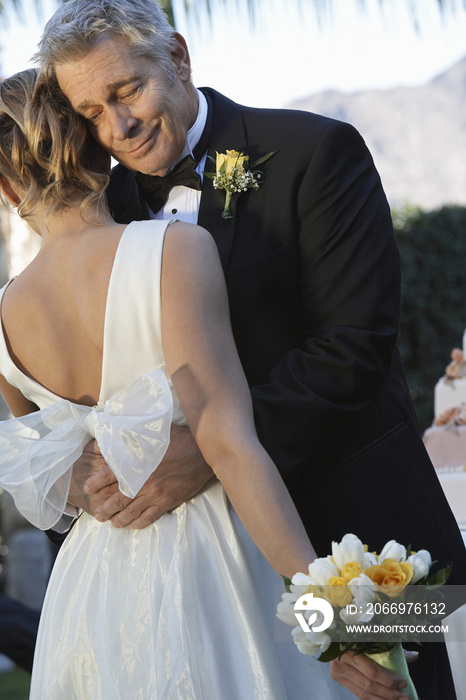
(350, 295)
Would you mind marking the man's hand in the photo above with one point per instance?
(366, 679)
(90, 463)
(181, 474)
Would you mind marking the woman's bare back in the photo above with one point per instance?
(53, 313)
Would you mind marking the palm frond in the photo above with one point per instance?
(16, 7)
(195, 8)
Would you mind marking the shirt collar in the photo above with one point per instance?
(195, 132)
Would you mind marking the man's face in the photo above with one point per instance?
(132, 109)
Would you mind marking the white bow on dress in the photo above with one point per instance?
(37, 451)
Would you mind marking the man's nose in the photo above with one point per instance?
(121, 122)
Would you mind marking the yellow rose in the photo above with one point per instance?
(337, 592)
(316, 591)
(351, 570)
(390, 576)
(226, 162)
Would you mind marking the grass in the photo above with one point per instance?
(14, 685)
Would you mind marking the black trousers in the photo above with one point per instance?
(18, 631)
(431, 672)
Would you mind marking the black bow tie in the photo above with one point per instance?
(155, 189)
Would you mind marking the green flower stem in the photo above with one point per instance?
(394, 660)
(226, 210)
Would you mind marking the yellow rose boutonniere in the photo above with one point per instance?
(233, 175)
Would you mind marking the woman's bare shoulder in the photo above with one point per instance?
(180, 233)
(190, 246)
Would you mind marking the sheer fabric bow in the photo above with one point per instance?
(37, 451)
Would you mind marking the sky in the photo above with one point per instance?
(291, 53)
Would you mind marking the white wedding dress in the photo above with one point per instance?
(182, 610)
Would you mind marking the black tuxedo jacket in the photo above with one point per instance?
(312, 271)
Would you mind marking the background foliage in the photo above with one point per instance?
(433, 258)
(192, 7)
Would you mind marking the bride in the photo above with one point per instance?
(113, 332)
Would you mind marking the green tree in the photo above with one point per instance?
(433, 317)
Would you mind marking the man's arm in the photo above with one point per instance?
(350, 301)
(182, 473)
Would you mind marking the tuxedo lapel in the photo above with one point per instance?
(227, 134)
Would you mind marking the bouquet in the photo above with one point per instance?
(347, 595)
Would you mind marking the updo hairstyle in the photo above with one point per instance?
(45, 148)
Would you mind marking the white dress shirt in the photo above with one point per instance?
(183, 202)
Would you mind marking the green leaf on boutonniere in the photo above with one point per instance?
(263, 159)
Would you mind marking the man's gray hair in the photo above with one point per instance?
(74, 28)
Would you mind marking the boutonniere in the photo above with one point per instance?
(232, 174)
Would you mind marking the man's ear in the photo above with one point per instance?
(180, 57)
(7, 190)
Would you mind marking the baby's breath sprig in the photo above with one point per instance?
(232, 176)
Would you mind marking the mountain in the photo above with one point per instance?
(417, 135)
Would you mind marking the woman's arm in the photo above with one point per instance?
(207, 375)
(18, 404)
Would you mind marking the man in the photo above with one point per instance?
(312, 271)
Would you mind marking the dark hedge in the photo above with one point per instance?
(433, 261)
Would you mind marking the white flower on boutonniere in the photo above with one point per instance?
(233, 175)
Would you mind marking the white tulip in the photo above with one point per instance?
(421, 563)
(363, 588)
(321, 570)
(301, 579)
(359, 611)
(285, 609)
(393, 550)
(310, 642)
(369, 559)
(348, 550)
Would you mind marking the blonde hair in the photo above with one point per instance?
(45, 148)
